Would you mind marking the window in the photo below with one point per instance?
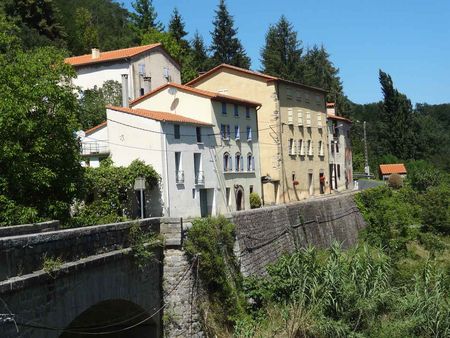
(198, 131)
(300, 117)
(290, 116)
(225, 131)
(293, 176)
(250, 162)
(251, 189)
(301, 147)
(236, 110)
(198, 172)
(321, 148)
(179, 174)
(224, 108)
(237, 132)
(227, 166)
(141, 68)
(289, 93)
(319, 120)
(247, 112)
(292, 147)
(310, 148)
(318, 101)
(337, 146)
(307, 98)
(339, 171)
(141, 91)
(176, 131)
(249, 133)
(239, 164)
(308, 119)
(299, 96)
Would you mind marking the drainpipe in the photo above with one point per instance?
(280, 128)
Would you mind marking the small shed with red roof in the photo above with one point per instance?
(387, 169)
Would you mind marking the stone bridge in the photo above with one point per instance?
(95, 286)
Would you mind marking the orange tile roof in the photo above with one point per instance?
(110, 56)
(398, 168)
(267, 77)
(205, 93)
(340, 118)
(158, 115)
(330, 104)
(97, 127)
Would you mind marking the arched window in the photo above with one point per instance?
(239, 164)
(227, 162)
(250, 162)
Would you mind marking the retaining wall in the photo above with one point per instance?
(265, 234)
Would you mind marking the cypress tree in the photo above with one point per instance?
(281, 55)
(226, 47)
(396, 120)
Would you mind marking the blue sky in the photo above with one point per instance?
(409, 39)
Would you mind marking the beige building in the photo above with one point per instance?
(234, 143)
(292, 130)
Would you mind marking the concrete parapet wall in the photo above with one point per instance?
(24, 254)
(16, 230)
(266, 234)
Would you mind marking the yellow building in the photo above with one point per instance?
(292, 130)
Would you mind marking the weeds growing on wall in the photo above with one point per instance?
(212, 241)
(143, 245)
(51, 264)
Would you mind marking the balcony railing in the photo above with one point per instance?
(179, 176)
(199, 178)
(94, 148)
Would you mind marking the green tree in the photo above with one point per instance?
(87, 33)
(92, 109)
(176, 26)
(282, 52)
(199, 53)
(226, 47)
(145, 17)
(39, 22)
(396, 120)
(39, 154)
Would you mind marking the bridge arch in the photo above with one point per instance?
(115, 318)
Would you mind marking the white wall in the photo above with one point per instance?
(185, 197)
(93, 145)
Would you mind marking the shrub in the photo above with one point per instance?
(255, 200)
(395, 181)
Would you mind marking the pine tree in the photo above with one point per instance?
(226, 47)
(396, 121)
(199, 53)
(281, 55)
(176, 26)
(319, 71)
(145, 17)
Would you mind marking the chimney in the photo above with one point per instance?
(95, 53)
(125, 90)
(331, 110)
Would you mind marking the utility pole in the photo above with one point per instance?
(366, 156)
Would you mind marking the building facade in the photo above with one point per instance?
(340, 151)
(146, 67)
(236, 145)
(291, 128)
(178, 149)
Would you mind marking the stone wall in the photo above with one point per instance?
(266, 234)
(23, 229)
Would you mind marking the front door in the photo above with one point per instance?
(239, 199)
(310, 184)
(203, 202)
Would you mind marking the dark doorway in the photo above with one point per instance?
(240, 198)
(322, 183)
(203, 203)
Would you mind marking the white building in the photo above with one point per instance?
(177, 147)
(340, 150)
(145, 67)
(236, 153)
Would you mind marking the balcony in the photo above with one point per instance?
(200, 178)
(179, 176)
(94, 148)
